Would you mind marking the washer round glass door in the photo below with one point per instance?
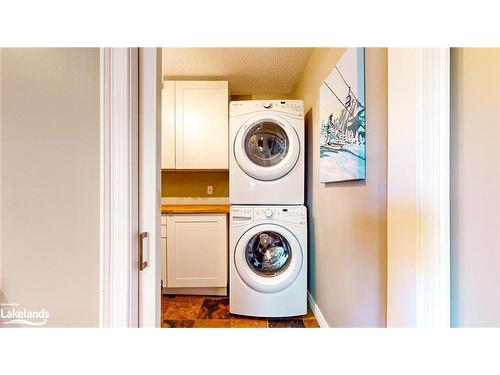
(268, 253)
(267, 148)
(268, 257)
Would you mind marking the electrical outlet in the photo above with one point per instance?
(210, 189)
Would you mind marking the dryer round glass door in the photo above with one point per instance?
(268, 258)
(267, 148)
(266, 143)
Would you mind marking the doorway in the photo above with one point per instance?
(198, 85)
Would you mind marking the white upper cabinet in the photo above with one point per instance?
(168, 125)
(199, 125)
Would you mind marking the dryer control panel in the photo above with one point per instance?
(289, 214)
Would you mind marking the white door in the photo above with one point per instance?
(201, 114)
(196, 250)
(267, 148)
(149, 187)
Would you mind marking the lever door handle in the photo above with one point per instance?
(142, 263)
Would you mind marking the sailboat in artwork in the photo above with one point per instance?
(343, 125)
(347, 128)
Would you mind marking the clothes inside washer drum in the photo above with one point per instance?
(268, 254)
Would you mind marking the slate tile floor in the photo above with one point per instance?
(213, 312)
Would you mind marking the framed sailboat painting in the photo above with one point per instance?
(343, 121)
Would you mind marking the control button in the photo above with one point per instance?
(269, 213)
(266, 104)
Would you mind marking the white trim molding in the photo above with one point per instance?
(119, 187)
(316, 311)
(418, 188)
(433, 187)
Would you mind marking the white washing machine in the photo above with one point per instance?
(268, 261)
(266, 152)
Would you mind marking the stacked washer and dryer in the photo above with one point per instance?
(268, 223)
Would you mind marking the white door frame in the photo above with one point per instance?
(129, 120)
(418, 234)
(119, 205)
(418, 205)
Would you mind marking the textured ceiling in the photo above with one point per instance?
(250, 71)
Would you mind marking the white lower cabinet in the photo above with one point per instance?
(163, 249)
(196, 251)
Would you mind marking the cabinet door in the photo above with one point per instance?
(197, 250)
(201, 112)
(168, 125)
(163, 248)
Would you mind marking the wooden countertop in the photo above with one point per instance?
(195, 208)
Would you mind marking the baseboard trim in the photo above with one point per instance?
(215, 291)
(316, 311)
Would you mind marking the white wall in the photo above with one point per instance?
(402, 198)
(347, 220)
(50, 182)
(475, 183)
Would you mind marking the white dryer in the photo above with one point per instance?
(266, 152)
(268, 261)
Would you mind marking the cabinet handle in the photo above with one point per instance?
(142, 263)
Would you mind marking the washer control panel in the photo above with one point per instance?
(289, 214)
(240, 107)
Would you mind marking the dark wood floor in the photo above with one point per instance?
(213, 312)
